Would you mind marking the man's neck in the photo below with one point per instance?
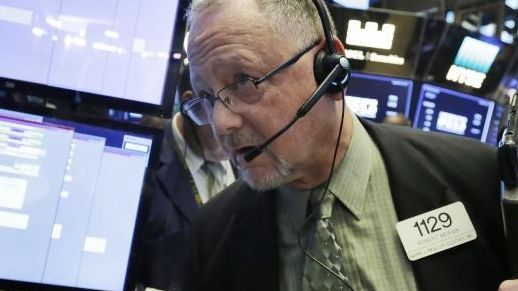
(318, 171)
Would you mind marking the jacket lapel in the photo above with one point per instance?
(417, 189)
(176, 182)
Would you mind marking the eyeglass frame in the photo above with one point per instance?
(227, 101)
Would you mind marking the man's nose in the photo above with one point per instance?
(225, 121)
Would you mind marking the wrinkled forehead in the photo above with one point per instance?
(231, 40)
(227, 23)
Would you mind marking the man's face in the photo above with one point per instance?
(226, 45)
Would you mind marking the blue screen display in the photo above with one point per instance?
(69, 195)
(449, 111)
(476, 54)
(374, 97)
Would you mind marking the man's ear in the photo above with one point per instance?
(339, 46)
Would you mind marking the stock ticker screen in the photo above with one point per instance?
(69, 195)
(374, 97)
(444, 110)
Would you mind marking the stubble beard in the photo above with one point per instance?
(280, 174)
(270, 180)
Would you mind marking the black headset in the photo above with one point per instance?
(328, 58)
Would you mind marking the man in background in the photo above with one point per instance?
(193, 168)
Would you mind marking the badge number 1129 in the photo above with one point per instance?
(436, 231)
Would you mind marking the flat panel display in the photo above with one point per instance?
(374, 97)
(69, 199)
(378, 41)
(469, 62)
(110, 48)
(444, 110)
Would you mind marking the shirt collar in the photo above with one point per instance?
(350, 181)
(194, 162)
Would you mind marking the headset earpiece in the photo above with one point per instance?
(328, 58)
(322, 66)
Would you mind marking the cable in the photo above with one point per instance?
(312, 214)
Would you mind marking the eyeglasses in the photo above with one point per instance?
(235, 96)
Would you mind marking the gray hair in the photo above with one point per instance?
(296, 21)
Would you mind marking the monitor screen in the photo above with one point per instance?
(115, 49)
(469, 62)
(453, 112)
(374, 97)
(69, 198)
(379, 42)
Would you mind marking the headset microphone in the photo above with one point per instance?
(305, 108)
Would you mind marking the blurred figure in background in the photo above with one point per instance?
(398, 119)
(193, 168)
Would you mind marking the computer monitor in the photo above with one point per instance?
(122, 52)
(444, 110)
(374, 97)
(379, 41)
(469, 62)
(70, 194)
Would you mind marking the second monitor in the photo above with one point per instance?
(449, 111)
(374, 97)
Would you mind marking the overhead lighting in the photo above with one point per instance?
(510, 23)
(450, 16)
(488, 29)
(513, 4)
(506, 37)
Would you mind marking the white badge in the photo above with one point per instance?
(436, 231)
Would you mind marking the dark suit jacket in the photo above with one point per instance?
(170, 211)
(234, 237)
